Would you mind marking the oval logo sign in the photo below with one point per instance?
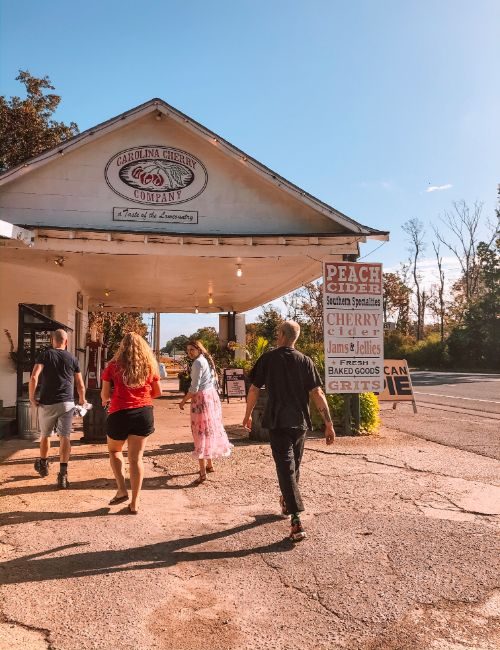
(156, 175)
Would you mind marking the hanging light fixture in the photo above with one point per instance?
(59, 261)
(210, 299)
(196, 309)
(239, 271)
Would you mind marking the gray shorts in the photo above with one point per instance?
(56, 416)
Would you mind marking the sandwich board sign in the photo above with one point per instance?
(234, 383)
(397, 383)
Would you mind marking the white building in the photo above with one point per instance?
(151, 211)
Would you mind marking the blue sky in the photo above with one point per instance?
(364, 104)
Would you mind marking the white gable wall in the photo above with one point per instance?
(71, 190)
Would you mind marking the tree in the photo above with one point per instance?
(113, 326)
(414, 228)
(178, 343)
(208, 336)
(396, 301)
(474, 343)
(268, 322)
(464, 222)
(305, 306)
(26, 125)
(436, 300)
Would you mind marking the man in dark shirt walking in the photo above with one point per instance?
(58, 371)
(290, 379)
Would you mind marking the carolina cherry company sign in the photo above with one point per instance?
(156, 175)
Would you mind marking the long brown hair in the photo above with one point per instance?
(136, 360)
(196, 343)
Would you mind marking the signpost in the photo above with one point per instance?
(397, 383)
(354, 328)
(234, 383)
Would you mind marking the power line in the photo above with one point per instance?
(375, 249)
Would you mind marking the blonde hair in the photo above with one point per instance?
(136, 360)
(198, 345)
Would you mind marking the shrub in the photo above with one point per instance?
(369, 411)
(397, 345)
(429, 353)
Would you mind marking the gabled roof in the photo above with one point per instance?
(162, 108)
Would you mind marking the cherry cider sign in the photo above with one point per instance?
(354, 327)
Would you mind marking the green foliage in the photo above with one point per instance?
(369, 412)
(268, 322)
(397, 345)
(177, 344)
(474, 344)
(315, 351)
(257, 347)
(208, 336)
(428, 353)
(26, 125)
(396, 301)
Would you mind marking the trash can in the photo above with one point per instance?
(27, 420)
(95, 419)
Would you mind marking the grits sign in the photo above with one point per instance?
(354, 327)
(156, 175)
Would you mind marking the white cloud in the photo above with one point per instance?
(439, 188)
(429, 273)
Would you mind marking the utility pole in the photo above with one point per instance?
(157, 335)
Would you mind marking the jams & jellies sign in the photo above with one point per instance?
(354, 327)
(156, 175)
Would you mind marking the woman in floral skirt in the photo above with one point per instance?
(209, 436)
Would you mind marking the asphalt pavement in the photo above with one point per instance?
(402, 552)
(478, 391)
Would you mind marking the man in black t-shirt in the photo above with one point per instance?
(58, 371)
(290, 379)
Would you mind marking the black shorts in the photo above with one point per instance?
(130, 422)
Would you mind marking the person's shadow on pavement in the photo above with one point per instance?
(36, 568)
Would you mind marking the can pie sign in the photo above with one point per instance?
(156, 175)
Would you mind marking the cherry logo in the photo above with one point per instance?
(156, 175)
(160, 175)
(146, 178)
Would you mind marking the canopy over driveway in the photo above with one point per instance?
(151, 211)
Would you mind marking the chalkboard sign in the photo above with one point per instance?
(234, 383)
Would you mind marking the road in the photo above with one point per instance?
(459, 410)
(475, 392)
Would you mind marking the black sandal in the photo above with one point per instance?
(115, 500)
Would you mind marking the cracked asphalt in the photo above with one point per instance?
(402, 551)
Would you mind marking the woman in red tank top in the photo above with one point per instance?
(133, 372)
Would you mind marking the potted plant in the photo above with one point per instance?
(184, 375)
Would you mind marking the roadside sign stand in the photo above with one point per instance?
(398, 386)
(233, 384)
